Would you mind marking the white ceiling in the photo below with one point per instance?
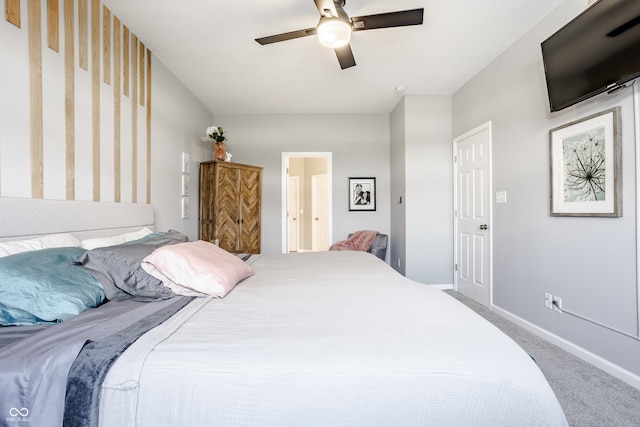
(209, 45)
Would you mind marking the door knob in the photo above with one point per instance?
(484, 227)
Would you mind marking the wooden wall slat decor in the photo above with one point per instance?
(53, 30)
(95, 95)
(148, 126)
(142, 86)
(69, 99)
(134, 117)
(34, 16)
(126, 43)
(83, 35)
(12, 11)
(106, 43)
(117, 99)
(111, 54)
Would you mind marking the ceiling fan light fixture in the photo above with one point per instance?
(333, 32)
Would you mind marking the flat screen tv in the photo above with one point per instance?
(598, 51)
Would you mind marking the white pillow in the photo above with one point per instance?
(196, 268)
(102, 242)
(135, 235)
(50, 241)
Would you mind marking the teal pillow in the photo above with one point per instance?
(45, 286)
(11, 316)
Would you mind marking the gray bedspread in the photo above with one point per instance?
(9, 334)
(34, 371)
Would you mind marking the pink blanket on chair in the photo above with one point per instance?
(359, 241)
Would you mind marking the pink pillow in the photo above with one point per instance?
(196, 268)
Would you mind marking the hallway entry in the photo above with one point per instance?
(306, 207)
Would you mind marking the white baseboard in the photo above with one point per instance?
(442, 287)
(597, 361)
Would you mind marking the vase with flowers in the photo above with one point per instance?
(216, 134)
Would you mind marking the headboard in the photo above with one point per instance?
(22, 218)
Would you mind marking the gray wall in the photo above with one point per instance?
(589, 262)
(421, 166)
(178, 121)
(398, 237)
(360, 148)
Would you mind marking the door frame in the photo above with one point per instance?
(285, 174)
(489, 191)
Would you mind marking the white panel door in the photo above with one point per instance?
(293, 213)
(473, 214)
(320, 213)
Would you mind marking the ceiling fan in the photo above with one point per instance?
(335, 27)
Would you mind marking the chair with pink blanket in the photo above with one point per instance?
(366, 241)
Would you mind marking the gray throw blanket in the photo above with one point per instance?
(90, 368)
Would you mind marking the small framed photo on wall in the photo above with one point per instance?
(186, 184)
(186, 207)
(362, 194)
(186, 163)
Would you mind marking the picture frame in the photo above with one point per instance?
(186, 208)
(362, 194)
(186, 185)
(186, 163)
(585, 166)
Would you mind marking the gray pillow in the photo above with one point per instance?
(161, 238)
(118, 267)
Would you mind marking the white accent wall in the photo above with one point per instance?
(178, 120)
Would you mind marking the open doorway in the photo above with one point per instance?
(306, 206)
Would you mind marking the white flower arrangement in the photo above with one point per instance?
(216, 133)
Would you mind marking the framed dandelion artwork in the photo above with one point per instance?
(586, 170)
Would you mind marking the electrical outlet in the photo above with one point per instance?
(557, 304)
(548, 300)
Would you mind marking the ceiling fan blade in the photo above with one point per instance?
(287, 36)
(387, 20)
(323, 5)
(345, 56)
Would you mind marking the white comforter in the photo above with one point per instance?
(327, 339)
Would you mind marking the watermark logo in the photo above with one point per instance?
(14, 412)
(18, 415)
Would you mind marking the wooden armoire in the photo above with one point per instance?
(230, 199)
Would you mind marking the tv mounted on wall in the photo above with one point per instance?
(596, 52)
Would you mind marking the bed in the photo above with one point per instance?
(313, 339)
